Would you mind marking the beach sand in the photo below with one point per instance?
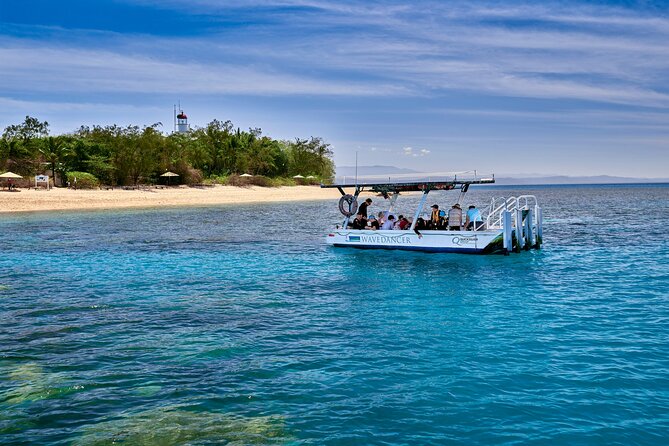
(60, 199)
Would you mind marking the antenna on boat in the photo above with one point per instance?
(356, 169)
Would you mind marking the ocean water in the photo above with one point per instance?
(237, 325)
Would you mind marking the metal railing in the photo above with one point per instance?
(493, 214)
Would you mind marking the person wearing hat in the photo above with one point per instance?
(435, 218)
(373, 223)
(455, 218)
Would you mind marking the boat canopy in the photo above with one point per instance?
(410, 183)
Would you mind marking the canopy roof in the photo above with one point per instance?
(411, 183)
(10, 175)
(170, 174)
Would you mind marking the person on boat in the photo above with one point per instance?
(474, 219)
(402, 223)
(389, 223)
(420, 224)
(382, 216)
(455, 218)
(373, 223)
(362, 210)
(359, 222)
(436, 219)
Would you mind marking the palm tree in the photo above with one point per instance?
(56, 152)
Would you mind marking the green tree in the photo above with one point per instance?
(311, 157)
(20, 144)
(56, 151)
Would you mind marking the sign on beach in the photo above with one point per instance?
(42, 179)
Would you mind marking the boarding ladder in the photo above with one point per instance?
(520, 219)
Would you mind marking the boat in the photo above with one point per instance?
(507, 224)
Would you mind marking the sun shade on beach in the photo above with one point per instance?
(169, 175)
(10, 175)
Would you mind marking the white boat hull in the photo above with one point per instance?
(479, 242)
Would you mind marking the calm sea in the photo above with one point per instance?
(236, 325)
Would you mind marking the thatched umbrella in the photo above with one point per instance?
(10, 176)
(168, 175)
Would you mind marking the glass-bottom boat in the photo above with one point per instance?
(507, 224)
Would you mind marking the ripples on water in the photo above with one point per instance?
(237, 325)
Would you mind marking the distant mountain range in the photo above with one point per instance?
(349, 171)
(563, 179)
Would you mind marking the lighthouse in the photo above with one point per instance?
(182, 122)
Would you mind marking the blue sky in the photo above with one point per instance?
(574, 88)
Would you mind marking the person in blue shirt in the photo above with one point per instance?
(473, 218)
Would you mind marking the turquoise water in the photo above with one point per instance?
(236, 325)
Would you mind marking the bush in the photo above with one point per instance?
(85, 180)
(258, 180)
(216, 179)
(281, 181)
(237, 181)
(193, 176)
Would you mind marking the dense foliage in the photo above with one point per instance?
(132, 155)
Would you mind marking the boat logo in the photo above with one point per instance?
(353, 238)
(464, 240)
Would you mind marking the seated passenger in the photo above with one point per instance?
(420, 224)
(389, 224)
(373, 223)
(474, 219)
(435, 218)
(455, 218)
(443, 221)
(402, 223)
(360, 222)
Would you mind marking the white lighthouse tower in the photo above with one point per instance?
(180, 121)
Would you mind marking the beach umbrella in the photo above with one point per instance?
(311, 177)
(168, 175)
(10, 175)
(246, 175)
(298, 176)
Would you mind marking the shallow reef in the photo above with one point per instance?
(175, 426)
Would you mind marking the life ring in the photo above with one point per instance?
(348, 205)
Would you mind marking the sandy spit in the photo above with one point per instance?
(59, 199)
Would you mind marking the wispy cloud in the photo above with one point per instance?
(410, 151)
(79, 70)
(348, 48)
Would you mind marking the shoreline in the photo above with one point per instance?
(62, 199)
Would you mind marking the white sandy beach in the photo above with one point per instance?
(30, 200)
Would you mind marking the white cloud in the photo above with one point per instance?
(83, 70)
(409, 151)
(591, 53)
